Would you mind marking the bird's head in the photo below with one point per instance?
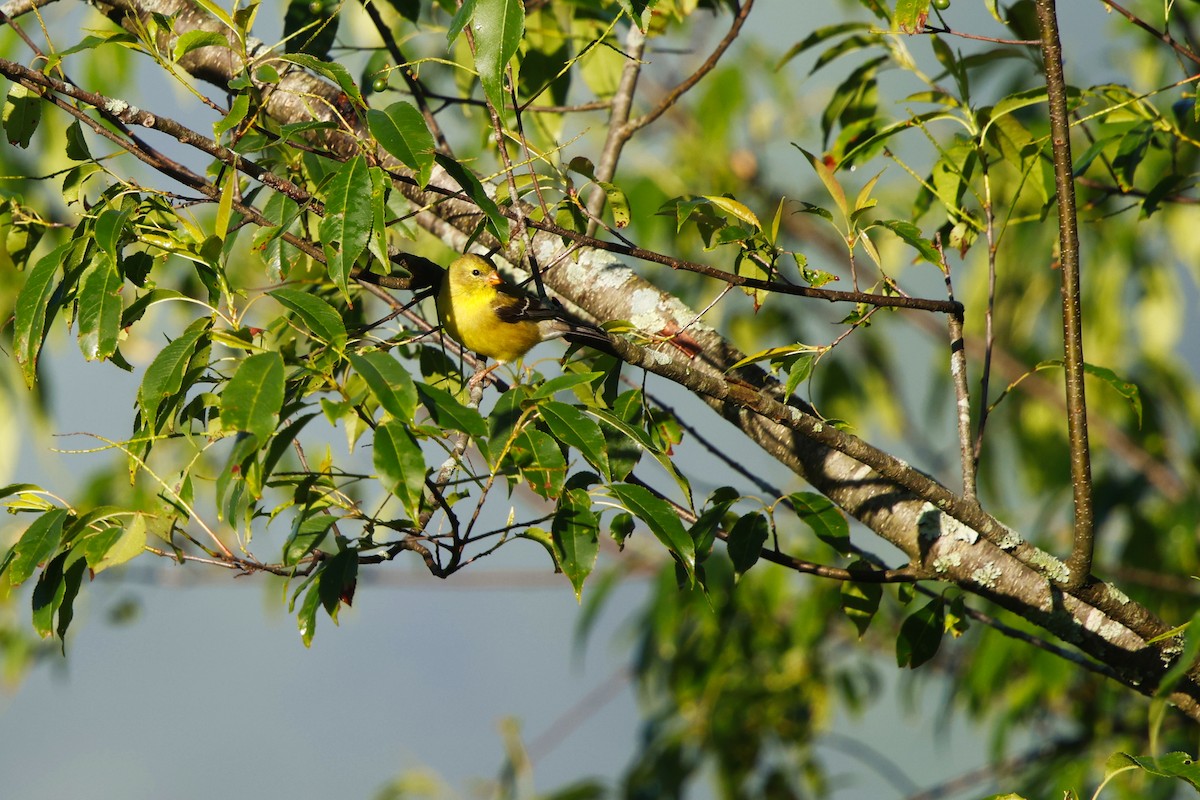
(472, 272)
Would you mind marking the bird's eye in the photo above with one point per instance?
(476, 273)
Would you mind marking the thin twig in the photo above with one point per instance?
(958, 372)
(1080, 561)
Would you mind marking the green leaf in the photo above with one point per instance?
(449, 413)
(319, 316)
(574, 428)
(746, 540)
(32, 310)
(461, 19)
(22, 113)
(400, 464)
(642, 440)
(911, 15)
(311, 27)
(498, 26)
(306, 619)
(252, 399)
(618, 204)
(541, 462)
(920, 635)
(36, 544)
(337, 581)
(335, 72)
(238, 110)
(704, 530)
(347, 225)
(389, 382)
(1172, 765)
(164, 376)
(194, 40)
(77, 149)
(662, 520)
(306, 534)
(576, 535)
(112, 546)
(911, 234)
(826, 520)
(1124, 388)
(562, 383)
(860, 601)
(831, 182)
(819, 36)
(100, 308)
(474, 190)
(54, 594)
(735, 209)
(402, 131)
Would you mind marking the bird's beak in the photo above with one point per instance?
(494, 278)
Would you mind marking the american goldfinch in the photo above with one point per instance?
(481, 314)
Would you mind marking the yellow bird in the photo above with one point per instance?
(481, 314)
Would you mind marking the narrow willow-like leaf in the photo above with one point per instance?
(164, 376)
(474, 189)
(860, 602)
(541, 462)
(22, 113)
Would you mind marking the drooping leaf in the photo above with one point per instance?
(746, 540)
(541, 462)
(660, 518)
(100, 307)
(164, 376)
(348, 218)
(920, 635)
(400, 464)
(498, 25)
(860, 601)
(474, 190)
(252, 399)
(33, 309)
(22, 113)
(576, 536)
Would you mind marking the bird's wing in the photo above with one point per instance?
(509, 308)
